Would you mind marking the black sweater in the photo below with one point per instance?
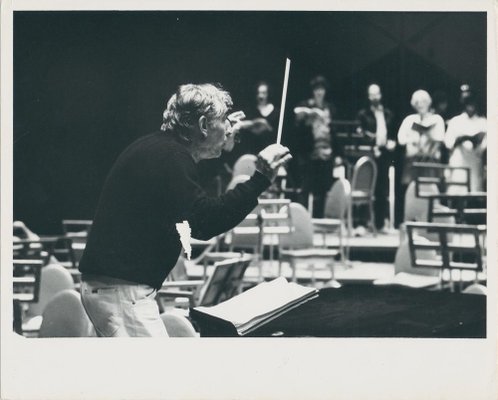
(152, 186)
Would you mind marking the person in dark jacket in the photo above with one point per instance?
(151, 204)
(376, 122)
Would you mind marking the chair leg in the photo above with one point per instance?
(293, 266)
(350, 219)
(311, 199)
(372, 216)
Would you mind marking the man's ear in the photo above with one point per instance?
(203, 126)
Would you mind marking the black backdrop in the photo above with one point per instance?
(86, 84)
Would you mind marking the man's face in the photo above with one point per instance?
(218, 132)
(319, 93)
(374, 95)
(470, 109)
(262, 95)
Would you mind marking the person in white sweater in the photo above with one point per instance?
(422, 134)
(466, 141)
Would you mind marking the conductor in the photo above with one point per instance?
(152, 186)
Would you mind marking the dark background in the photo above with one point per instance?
(86, 84)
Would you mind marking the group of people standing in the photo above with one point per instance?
(426, 135)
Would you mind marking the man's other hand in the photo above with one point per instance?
(271, 158)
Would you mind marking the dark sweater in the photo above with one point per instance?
(151, 187)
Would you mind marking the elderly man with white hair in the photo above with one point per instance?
(152, 187)
(422, 134)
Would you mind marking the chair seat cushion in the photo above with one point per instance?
(359, 193)
(309, 253)
(221, 256)
(324, 223)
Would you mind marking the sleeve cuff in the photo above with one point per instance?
(261, 182)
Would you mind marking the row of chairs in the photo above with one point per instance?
(55, 307)
(444, 235)
(361, 191)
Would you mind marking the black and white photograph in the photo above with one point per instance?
(246, 177)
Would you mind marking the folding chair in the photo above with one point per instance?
(298, 244)
(459, 247)
(223, 283)
(26, 287)
(336, 207)
(363, 190)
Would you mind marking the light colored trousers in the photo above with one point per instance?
(117, 309)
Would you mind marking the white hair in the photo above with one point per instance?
(192, 101)
(420, 96)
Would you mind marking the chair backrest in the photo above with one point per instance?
(76, 227)
(177, 325)
(236, 180)
(28, 249)
(78, 231)
(27, 280)
(402, 260)
(417, 208)
(457, 246)
(225, 280)
(65, 316)
(476, 288)
(301, 235)
(364, 175)
(447, 178)
(338, 198)
(245, 165)
(54, 279)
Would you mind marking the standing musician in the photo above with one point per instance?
(376, 122)
(422, 134)
(134, 244)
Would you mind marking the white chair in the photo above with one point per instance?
(476, 288)
(245, 165)
(54, 279)
(405, 274)
(298, 244)
(178, 325)
(336, 207)
(363, 190)
(236, 180)
(65, 316)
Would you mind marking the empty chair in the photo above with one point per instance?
(223, 283)
(363, 190)
(298, 244)
(417, 208)
(245, 165)
(78, 231)
(54, 279)
(448, 179)
(237, 179)
(65, 316)
(476, 288)
(458, 248)
(178, 325)
(336, 207)
(26, 288)
(405, 274)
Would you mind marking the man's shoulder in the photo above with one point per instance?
(157, 142)
(157, 150)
